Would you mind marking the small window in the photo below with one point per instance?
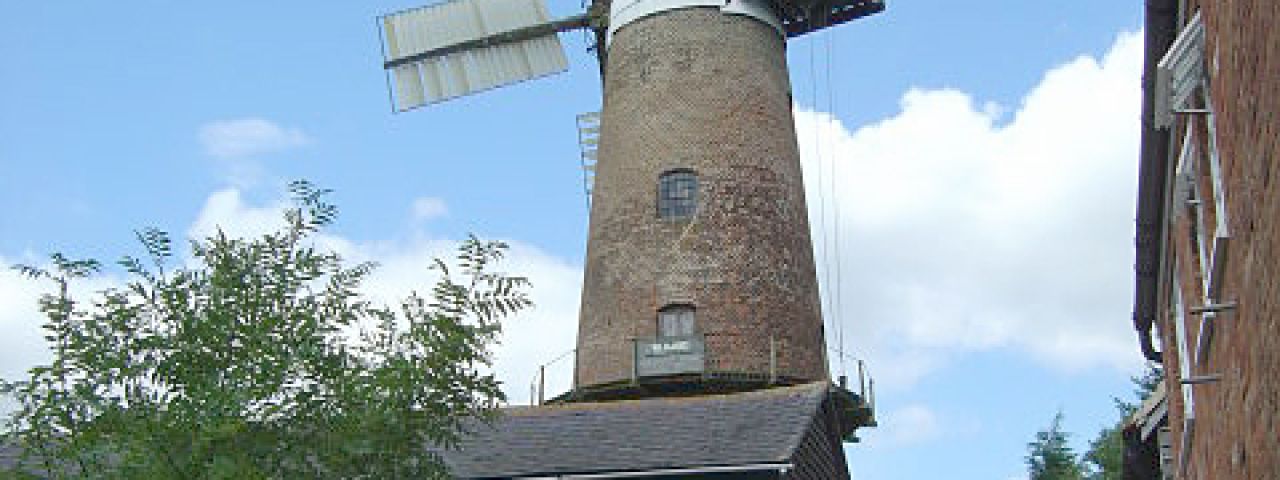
(677, 194)
(675, 321)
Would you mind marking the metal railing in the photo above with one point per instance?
(656, 357)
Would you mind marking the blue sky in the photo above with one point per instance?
(983, 154)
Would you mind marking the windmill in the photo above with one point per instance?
(699, 274)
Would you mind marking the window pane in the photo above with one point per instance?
(675, 321)
(686, 322)
(677, 194)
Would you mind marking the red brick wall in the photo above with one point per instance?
(1237, 433)
(696, 88)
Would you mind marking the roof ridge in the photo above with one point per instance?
(623, 403)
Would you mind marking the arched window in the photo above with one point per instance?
(677, 194)
(675, 321)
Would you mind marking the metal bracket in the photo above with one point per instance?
(1202, 379)
(1214, 308)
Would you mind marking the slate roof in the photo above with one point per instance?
(8, 455)
(757, 427)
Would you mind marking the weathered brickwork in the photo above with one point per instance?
(1237, 426)
(699, 89)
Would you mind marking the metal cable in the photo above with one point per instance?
(837, 300)
(824, 300)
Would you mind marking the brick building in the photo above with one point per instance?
(698, 224)
(1207, 302)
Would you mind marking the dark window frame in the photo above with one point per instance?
(677, 194)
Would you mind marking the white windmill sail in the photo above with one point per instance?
(460, 47)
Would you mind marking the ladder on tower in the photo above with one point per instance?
(589, 143)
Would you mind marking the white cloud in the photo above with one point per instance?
(429, 208)
(226, 210)
(22, 345)
(547, 331)
(246, 137)
(530, 339)
(960, 233)
(905, 426)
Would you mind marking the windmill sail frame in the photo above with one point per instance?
(447, 50)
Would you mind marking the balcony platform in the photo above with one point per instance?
(854, 410)
(803, 16)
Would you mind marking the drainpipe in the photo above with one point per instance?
(1153, 174)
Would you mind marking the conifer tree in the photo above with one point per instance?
(1105, 457)
(1049, 457)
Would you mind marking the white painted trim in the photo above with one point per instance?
(1215, 171)
(1184, 450)
(1180, 337)
(1184, 178)
(757, 9)
(1214, 257)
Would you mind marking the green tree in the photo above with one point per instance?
(260, 358)
(1049, 457)
(1105, 458)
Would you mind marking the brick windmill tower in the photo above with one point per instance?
(699, 258)
(700, 292)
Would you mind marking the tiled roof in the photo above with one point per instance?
(8, 456)
(764, 426)
(750, 428)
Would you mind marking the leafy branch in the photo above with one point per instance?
(260, 358)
